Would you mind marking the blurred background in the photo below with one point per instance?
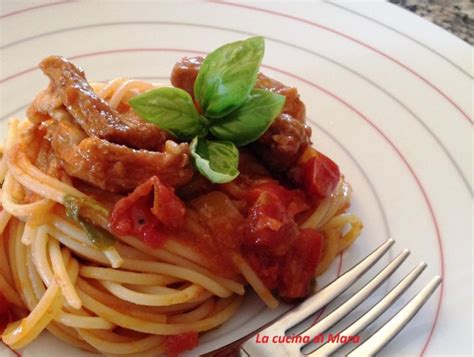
(456, 16)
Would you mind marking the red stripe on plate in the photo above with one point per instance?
(32, 8)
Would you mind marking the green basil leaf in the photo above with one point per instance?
(249, 121)
(216, 160)
(72, 205)
(172, 109)
(227, 75)
(97, 235)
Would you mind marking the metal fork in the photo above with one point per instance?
(289, 324)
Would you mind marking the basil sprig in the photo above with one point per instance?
(233, 111)
(227, 75)
(249, 121)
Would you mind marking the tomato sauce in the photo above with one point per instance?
(254, 215)
(148, 212)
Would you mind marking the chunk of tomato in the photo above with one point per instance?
(320, 175)
(293, 200)
(224, 220)
(269, 226)
(149, 208)
(299, 265)
(177, 344)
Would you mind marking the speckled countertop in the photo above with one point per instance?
(456, 16)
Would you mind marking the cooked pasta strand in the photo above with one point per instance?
(61, 275)
(126, 277)
(178, 272)
(255, 282)
(157, 328)
(123, 348)
(173, 298)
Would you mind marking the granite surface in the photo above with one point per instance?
(456, 16)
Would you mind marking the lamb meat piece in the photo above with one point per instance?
(43, 107)
(97, 118)
(185, 72)
(113, 167)
(293, 104)
(283, 143)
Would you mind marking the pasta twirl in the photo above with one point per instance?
(115, 243)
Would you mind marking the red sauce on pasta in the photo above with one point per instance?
(254, 215)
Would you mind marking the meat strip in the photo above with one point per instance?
(69, 87)
(113, 167)
(283, 143)
(293, 104)
(185, 72)
(287, 138)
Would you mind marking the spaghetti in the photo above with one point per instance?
(125, 297)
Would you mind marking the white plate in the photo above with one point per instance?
(388, 93)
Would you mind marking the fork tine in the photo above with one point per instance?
(371, 315)
(344, 309)
(387, 332)
(332, 290)
(293, 317)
